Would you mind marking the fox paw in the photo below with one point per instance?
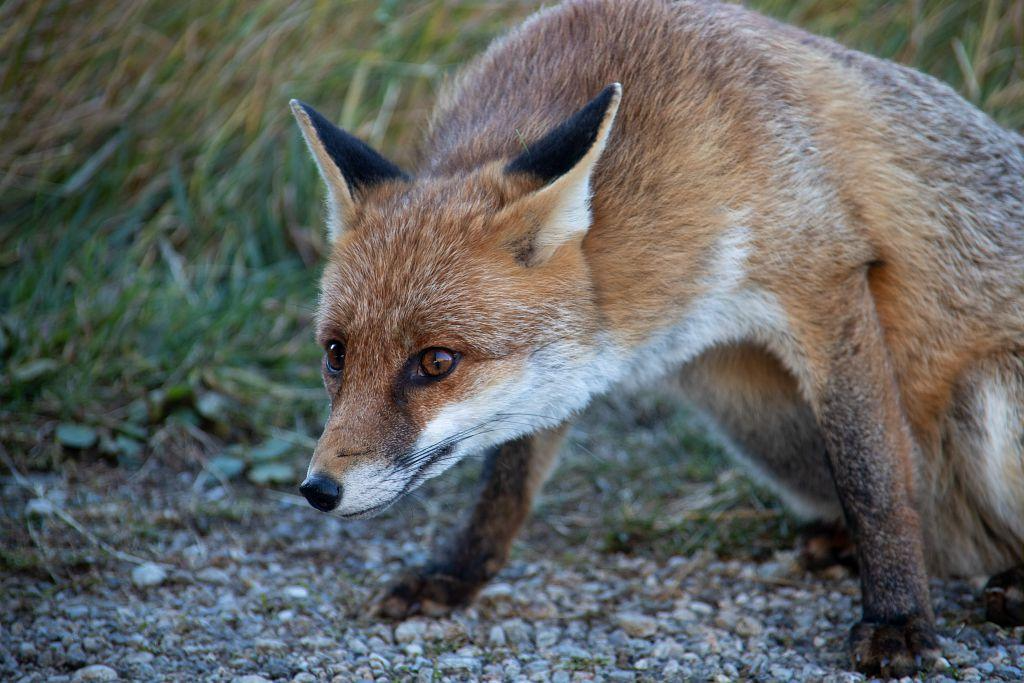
(428, 591)
(894, 650)
(1004, 598)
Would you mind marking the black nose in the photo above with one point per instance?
(321, 492)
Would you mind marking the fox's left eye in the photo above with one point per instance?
(437, 362)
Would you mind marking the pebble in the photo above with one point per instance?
(636, 625)
(296, 592)
(748, 626)
(451, 663)
(214, 575)
(409, 631)
(136, 658)
(496, 636)
(148, 574)
(95, 672)
(270, 645)
(282, 602)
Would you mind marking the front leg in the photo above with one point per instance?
(870, 448)
(513, 474)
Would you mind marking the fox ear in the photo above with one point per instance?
(564, 159)
(347, 164)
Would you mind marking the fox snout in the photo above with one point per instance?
(322, 492)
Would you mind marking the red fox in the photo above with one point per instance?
(825, 248)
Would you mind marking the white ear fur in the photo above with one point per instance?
(339, 198)
(568, 196)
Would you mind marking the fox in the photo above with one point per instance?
(823, 249)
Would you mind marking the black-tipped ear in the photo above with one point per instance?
(565, 159)
(359, 164)
(564, 146)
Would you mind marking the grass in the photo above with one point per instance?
(159, 218)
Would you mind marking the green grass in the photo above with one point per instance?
(159, 218)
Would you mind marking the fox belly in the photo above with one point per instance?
(754, 405)
(972, 491)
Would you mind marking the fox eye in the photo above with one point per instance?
(437, 362)
(335, 357)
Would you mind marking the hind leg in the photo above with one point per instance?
(769, 428)
(1004, 598)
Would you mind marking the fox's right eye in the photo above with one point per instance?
(335, 357)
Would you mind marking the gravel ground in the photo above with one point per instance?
(250, 584)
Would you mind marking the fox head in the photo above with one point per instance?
(455, 311)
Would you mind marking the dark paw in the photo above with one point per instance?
(894, 650)
(826, 545)
(1004, 598)
(429, 591)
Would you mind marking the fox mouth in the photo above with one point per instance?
(414, 481)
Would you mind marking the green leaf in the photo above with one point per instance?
(76, 435)
(226, 466)
(214, 407)
(33, 370)
(272, 473)
(272, 449)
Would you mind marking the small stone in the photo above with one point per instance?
(357, 646)
(270, 645)
(75, 611)
(748, 626)
(497, 592)
(75, 655)
(27, 649)
(546, 637)
(136, 658)
(668, 649)
(496, 636)
(304, 677)
(92, 644)
(317, 642)
(451, 663)
(214, 575)
(409, 631)
(636, 625)
(249, 678)
(148, 574)
(296, 592)
(95, 672)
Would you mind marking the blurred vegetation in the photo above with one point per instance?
(160, 234)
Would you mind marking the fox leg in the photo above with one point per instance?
(513, 474)
(870, 446)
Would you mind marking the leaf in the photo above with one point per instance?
(184, 416)
(76, 435)
(127, 446)
(33, 370)
(226, 466)
(272, 449)
(214, 407)
(272, 473)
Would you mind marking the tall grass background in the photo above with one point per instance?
(160, 233)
